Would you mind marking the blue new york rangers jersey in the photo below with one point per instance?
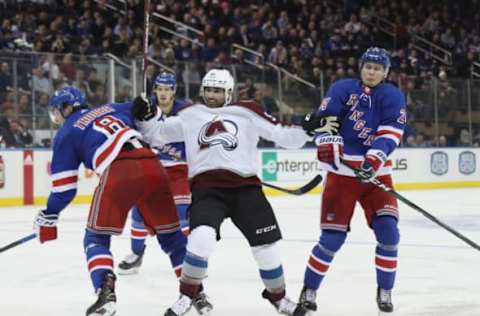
(172, 154)
(372, 121)
(92, 137)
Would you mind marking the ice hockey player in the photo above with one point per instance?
(173, 159)
(372, 119)
(221, 143)
(103, 139)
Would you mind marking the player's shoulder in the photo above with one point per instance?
(251, 105)
(388, 88)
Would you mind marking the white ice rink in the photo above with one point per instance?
(438, 274)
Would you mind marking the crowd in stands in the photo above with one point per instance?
(319, 41)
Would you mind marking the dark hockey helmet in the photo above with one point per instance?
(376, 55)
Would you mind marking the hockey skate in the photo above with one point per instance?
(131, 263)
(284, 306)
(180, 307)
(384, 300)
(202, 304)
(106, 302)
(306, 302)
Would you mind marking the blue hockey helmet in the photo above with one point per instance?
(376, 55)
(67, 96)
(166, 79)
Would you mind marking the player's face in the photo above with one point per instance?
(56, 116)
(372, 74)
(165, 95)
(214, 97)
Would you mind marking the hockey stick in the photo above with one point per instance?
(428, 215)
(18, 242)
(146, 10)
(302, 190)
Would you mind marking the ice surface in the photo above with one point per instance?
(438, 274)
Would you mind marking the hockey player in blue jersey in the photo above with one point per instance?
(372, 117)
(173, 159)
(104, 140)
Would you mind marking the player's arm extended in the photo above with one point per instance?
(158, 131)
(64, 177)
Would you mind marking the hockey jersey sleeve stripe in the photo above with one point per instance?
(394, 138)
(64, 174)
(65, 187)
(63, 181)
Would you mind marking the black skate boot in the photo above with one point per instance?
(202, 304)
(384, 300)
(306, 302)
(131, 263)
(284, 305)
(106, 302)
(180, 307)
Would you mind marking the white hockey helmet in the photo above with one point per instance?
(218, 78)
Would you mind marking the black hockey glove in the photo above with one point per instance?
(312, 124)
(143, 109)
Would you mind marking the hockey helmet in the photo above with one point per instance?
(68, 95)
(376, 55)
(218, 78)
(166, 79)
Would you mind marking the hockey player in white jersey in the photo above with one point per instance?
(221, 145)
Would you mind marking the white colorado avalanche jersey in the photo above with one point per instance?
(222, 138)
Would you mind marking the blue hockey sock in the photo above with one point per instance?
(99, 257)
(138, 232)
(182, 215)
(321, 257)
(174, 245)
(386, 252)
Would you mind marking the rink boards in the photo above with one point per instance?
(25, 174)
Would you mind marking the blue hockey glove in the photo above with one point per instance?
(369, 168)
(45, 226)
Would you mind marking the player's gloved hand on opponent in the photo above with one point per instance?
(330, 149)
(143, 109)
(369, 168)
(45, 226)
(313, 123)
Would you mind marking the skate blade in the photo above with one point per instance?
(204, 312)
(127, 272)
(380, 313)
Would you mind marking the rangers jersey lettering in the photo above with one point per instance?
(92, 137)
(372, 121)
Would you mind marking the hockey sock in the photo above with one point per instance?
(386, 252)
(174, 245)
(321, 257)
(138, 232)
(270, 267)
(182, 215)
(201, 244)
(99, 257)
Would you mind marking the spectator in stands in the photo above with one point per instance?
(464, 138)
(269, 103)
(6, 80)
(21, 135)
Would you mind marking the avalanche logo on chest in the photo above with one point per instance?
(219, 132)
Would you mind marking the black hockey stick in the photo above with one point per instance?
(428, 215)
(18, 242)
(302, 190)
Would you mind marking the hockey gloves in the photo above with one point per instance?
(312, 124)
(330, 149)
(45, 226)
(369, 167)
(143, 109)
